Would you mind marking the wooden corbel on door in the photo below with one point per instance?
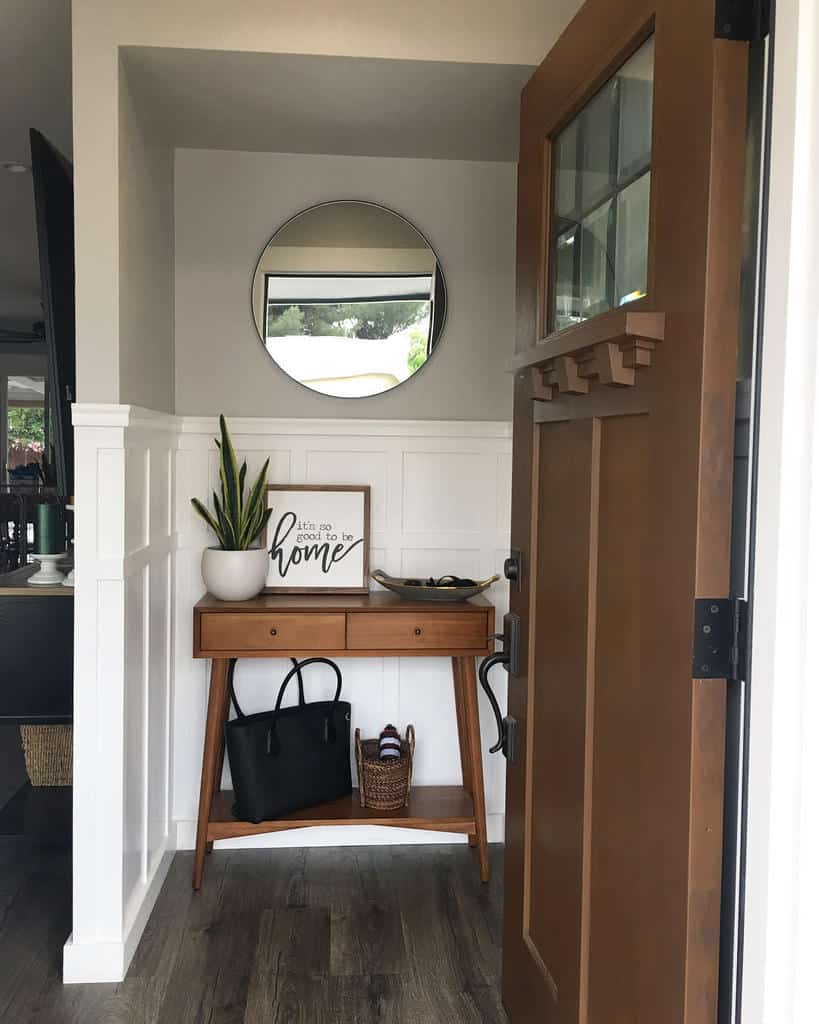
(612, 360)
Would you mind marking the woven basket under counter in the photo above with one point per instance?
(384, 785)
(48, 753)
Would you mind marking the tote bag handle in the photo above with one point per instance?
(235, 702)
(330, 735)
(296, 670)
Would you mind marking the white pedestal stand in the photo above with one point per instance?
(69, 580)
(48, 575)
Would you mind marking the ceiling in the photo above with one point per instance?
(35, 83)
(301, 103)
(245, 101)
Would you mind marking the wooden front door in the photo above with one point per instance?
(629, 234)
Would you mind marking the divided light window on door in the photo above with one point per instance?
(600, 197)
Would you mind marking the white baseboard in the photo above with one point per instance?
(349, 835)
(91, 962)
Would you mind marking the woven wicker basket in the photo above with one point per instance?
(48, 753)
(384, 785)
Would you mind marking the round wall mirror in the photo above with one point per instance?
(349, 299)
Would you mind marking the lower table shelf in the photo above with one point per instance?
(436, 808)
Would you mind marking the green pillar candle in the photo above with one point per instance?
(49, 531)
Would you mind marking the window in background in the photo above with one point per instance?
(600, 197)
(26, 429)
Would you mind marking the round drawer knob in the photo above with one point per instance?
(417, 630)
(274, 631)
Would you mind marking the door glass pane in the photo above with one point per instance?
(597, 131)
(602, 177)
(596, 272)
(567, 279)
(565, 157)
(631, 265)
(636, 86)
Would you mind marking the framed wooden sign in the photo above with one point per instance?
(318, 539)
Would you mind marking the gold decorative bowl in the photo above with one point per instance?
(419, 591)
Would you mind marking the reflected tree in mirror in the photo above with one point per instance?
(600, 197)
(349, 299)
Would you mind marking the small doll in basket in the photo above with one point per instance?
(389, 743)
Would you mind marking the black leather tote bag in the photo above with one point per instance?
(289, 758)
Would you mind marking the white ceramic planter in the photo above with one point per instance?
(234, 575)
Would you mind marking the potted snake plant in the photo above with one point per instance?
(236, 568)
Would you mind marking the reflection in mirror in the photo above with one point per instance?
(349, 299)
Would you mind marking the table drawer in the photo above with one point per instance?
(407, 631)
(272, 631)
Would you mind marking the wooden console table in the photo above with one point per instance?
(374, 626)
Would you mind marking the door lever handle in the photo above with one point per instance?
(483, 676)
(507, 727)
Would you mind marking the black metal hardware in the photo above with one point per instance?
(511, 642)
(509, 657)
(513, 567)
(742, 20)
(483, 677)
(720, 638)
(510, 738)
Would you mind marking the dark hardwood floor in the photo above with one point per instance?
(319, 936)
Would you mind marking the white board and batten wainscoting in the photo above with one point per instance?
(440, 503)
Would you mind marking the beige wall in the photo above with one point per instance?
(146, 363)
(227, 204)
(515, 32)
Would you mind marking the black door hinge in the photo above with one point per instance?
(742, 20)
(720, 638)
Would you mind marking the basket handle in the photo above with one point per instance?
(411, 753)
(359, 758)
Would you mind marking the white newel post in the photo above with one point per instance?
(125, 543)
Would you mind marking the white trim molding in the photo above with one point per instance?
(248, 425)
(108, 961)
(781, 934)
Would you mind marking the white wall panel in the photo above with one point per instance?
(134, 710)
(137, 496)
(354, 467)
(157, 772)
(421, 563)
(449, 491)
(435, 509)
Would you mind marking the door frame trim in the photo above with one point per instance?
(781, 902)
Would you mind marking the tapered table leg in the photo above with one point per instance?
(211, 759)
(220, 759)
(472, 722)
(463, 734)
